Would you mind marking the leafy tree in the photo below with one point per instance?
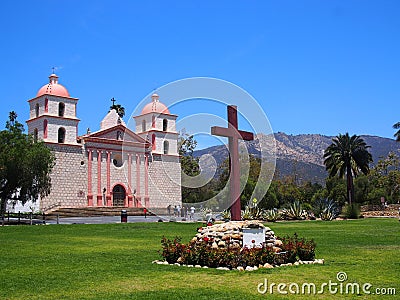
(25, 165)
(288, 191)
(189, 165)
(347, 156)
(335, 190)
(270, 199)
(397, 134)
(362, 188)
(385, 177)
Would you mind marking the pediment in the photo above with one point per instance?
(117, 134)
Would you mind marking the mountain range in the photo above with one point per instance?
(300, 155)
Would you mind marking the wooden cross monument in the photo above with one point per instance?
(234, 134)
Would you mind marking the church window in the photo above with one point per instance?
(45, 129)
(165, 125)
(120, 135)
(35, 135)
(153, 122)
(61, 109)
(46, 105)
(117, 160)
(144, 125)
(166, 147)
(37, 110)
(153, 142)
(61, 135)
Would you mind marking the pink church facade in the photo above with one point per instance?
(114, 166)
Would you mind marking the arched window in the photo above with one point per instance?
(166, 147)
(45, 129)
(61, 135)
(35, 135)
(153, 141)
(61, 109)
(144, 125)
(37, 110)
(46, 105)
(153, 122)
(165, 125)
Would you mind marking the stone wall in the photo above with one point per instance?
(165, 181)
(68, 178)
(230, 235)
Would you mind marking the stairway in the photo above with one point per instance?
(64, 212)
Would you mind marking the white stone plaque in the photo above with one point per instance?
(253, 237)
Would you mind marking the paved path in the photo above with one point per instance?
(112, 219)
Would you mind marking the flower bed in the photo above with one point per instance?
(195, 253)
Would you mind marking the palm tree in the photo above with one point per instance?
(118, 108)
(347, 155)
(397, 134)
(12, 115)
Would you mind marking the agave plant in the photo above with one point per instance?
(328, 209)
(256, 213)
(272, 215)
(294, 212)
(246, 213)
(226, 214)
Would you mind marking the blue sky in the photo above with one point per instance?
(324, 67)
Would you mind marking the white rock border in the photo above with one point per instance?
(320, 261)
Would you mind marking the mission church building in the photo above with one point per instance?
(113, 166)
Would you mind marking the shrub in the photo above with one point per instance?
(172, 249)
(305, 249)
(296, 247)
(352, 211)
(289, 249)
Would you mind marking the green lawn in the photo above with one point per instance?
(114, 262)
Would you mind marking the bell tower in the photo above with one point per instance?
(157, 125)
(53, 114)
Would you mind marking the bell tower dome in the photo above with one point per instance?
(157, 125)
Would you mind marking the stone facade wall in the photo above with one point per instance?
(53, 104)
(166, 136)
(32, 107)
(68, 178)
(38, 124)
(164, 182)
(69, 125)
